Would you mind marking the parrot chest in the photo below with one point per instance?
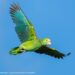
(31, 45)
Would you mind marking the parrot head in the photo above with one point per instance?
(46, 41)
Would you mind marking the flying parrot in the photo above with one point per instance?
(26, 33)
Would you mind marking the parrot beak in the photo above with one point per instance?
(49, 42)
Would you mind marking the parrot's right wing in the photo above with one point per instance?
(24, 27)
(51, 52)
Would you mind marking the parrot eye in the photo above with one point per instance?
(46, 40)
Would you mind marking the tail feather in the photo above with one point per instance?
(15, 51)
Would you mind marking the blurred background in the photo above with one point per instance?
(51, 18)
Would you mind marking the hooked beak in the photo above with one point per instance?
(49, 43)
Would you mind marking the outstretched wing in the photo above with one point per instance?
(24, 28)
(50, 52)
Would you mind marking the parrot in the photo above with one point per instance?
(28, 38)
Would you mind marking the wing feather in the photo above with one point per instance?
(50, 52)
(24, 27)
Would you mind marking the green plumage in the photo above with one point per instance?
(24, 27)
(27, 36)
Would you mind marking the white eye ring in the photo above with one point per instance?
(48, 41)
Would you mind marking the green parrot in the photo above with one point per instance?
(26, 33)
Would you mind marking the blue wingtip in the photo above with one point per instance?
(68, 53)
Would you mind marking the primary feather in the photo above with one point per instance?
(51, 52)
(24, 27)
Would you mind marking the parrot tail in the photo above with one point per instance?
(15, 51)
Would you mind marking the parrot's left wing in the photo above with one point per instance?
(50, 52)
(24, 27)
